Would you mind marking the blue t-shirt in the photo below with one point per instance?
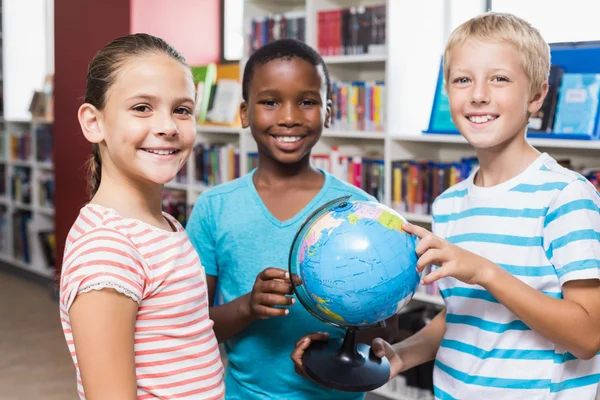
(237, 237)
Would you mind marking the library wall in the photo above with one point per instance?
(191, 26)
(77, 39)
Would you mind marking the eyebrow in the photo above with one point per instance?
(152, 98)
(273, 92)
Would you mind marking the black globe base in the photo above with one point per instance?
(345, 365)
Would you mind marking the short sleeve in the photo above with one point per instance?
(571, 235)
(200, 229)
(103, 258)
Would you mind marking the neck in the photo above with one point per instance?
(130, 198)
(505, 161)
(271, 172)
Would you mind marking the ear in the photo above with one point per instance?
(538, 99)
(244, 117)
(328, 106)
(89, 120)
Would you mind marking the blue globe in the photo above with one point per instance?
(357, 266)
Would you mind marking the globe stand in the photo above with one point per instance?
(345, 364)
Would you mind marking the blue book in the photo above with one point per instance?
(577, 109)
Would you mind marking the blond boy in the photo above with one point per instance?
(517, 244)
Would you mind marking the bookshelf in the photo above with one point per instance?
(26, 194)
(409, 91)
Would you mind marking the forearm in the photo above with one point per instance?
(231, 318)
(561, 321)
(423, 345)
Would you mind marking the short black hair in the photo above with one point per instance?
(282, 49)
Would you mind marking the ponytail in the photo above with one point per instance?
(94, 171)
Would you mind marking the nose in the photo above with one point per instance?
(480, 93)
(165, 125)
(289, 115)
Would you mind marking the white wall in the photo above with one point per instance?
(25, 53)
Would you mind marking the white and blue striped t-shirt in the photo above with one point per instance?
(542, 226)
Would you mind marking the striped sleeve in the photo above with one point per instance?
(572, 232)
(99, 259)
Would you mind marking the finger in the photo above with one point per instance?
(268, 312)
(378, 347)
(274, 286)
(416, 230)
(270, 299)
(297, 280)
(425, 244)
(430, 257)
(274, 273)
(435, 275)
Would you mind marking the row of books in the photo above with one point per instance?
(350, 31)
(263, 30)
(19, 146)
(216, 163)
(3, 230)
(362, 172)
(358, 105)
(416, 184)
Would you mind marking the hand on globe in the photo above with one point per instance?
(453, 261)
(301, 346)
(272, 287)
(381, 349)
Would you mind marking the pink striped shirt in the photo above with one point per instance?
(176, 351)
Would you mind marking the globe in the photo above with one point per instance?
(357, 268)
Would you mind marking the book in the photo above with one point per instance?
(543, 120)
(577, 109)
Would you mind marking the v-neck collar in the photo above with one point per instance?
(300, 215)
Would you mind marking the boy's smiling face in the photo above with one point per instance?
(488, 90)
(286, 108)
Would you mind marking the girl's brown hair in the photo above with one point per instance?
(101, 75)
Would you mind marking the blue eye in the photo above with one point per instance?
(462, 80)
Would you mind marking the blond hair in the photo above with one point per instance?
(507, 28)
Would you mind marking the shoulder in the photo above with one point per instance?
(336, 185)
(560, 182)
(220, 194)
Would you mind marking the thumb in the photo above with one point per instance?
(378, 347)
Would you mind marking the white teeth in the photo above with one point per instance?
(161, 152)
(288, 139)
(480, 119)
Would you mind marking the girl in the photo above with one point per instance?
(133, 293)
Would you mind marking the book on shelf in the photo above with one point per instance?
(21, 227)
(358, 105)
(416, 184)
(577, 109)
(263, 30)
(21, 185)
(43, 142)
(216, 163)
(175, 203)
(46, 189)
(352, 31)
(19, 145)
(205, 78)
(543, 119)
(47, 241)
